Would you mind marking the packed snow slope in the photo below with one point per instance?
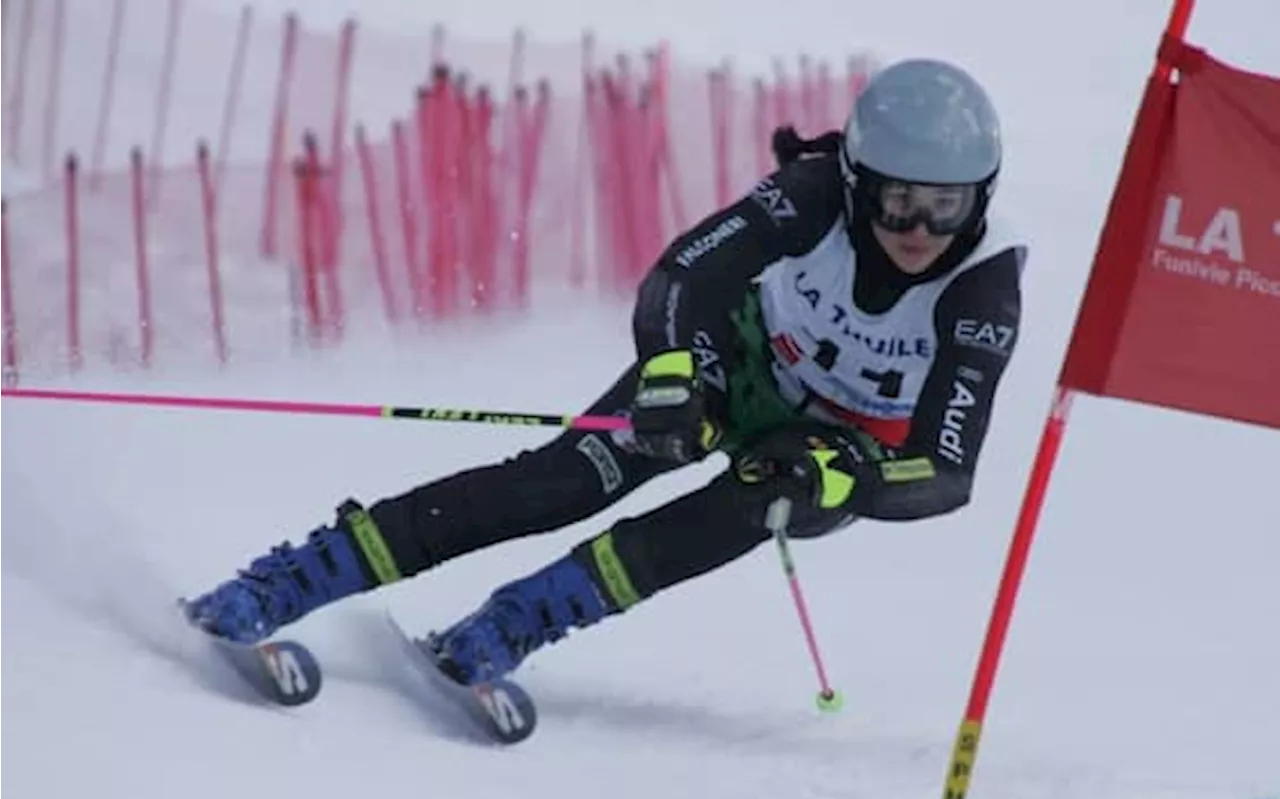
(1143, 661)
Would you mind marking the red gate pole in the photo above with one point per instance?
(965, 751)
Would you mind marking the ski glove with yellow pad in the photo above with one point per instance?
(825, 468)
(669, 413)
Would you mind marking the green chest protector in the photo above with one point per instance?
(754, 404)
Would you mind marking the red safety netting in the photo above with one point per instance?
(232, 183)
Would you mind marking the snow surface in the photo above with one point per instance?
(1143, 660)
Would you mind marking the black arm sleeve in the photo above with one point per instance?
(704, 273)
(977, 326)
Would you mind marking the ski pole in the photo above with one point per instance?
(524, 418)
(777, 519)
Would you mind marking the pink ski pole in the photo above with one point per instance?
(777, 519)
(332, 409)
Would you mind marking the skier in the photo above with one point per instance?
(839, 333)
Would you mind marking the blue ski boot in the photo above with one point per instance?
(289, 582)
(519, 618)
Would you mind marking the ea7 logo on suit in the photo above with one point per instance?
(776, 204)
(984, 335)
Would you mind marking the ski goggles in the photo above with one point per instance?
(900, 206)
(943, 209)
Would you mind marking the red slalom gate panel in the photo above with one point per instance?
(1184, 308)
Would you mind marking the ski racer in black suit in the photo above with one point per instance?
(839, 333)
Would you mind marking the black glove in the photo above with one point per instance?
(811, 465)
(669, 412)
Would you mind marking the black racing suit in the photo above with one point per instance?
(699, 295)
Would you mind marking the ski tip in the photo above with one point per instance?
(281, 671)
(295, 675)
(512, 714)
(501, 710)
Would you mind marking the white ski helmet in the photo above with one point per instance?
(921, 123)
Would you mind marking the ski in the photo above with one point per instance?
(500, 710)
(282, 672)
